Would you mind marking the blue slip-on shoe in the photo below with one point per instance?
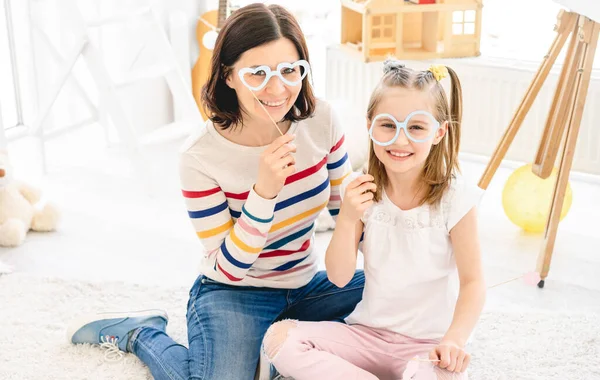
(111, 330)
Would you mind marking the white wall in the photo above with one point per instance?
(148, 103)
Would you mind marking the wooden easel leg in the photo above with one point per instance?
(553, 133)
(588, 33)
(565, 25)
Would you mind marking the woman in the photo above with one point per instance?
(253, 190)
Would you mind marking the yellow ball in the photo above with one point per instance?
(526, 199)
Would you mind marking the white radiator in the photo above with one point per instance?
(492, 90)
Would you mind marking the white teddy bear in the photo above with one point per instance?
(18, 208)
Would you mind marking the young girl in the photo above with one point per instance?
(424, 289)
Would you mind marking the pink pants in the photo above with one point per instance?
(331, 350)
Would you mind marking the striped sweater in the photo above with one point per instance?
(249, 240)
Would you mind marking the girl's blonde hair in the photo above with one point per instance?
(442, 162)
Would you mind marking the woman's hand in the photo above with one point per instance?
(358, 198)
(276, 164)
(451, 357)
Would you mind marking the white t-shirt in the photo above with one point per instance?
(411, 280)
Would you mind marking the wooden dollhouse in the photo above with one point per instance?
(412, 29)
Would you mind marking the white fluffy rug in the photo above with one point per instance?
(35, 311)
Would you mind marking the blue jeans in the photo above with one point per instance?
(226, 325)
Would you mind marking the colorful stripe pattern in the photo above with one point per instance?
(263, 239)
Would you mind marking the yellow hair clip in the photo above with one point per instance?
(439, 71)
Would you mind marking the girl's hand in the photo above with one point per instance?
(276, 164)
(451, 357)
(358, 198)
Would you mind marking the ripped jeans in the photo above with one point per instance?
(226, 325)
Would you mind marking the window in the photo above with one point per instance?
(383, 27)
(463, 22)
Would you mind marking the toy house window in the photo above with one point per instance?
(383, 27)
(463, 22)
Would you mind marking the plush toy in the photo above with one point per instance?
(19, 211)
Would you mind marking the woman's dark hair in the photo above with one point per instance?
(246, 28)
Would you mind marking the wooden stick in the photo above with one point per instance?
(267, 112)
(558, 116)
(589, 31)
(565, 24)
